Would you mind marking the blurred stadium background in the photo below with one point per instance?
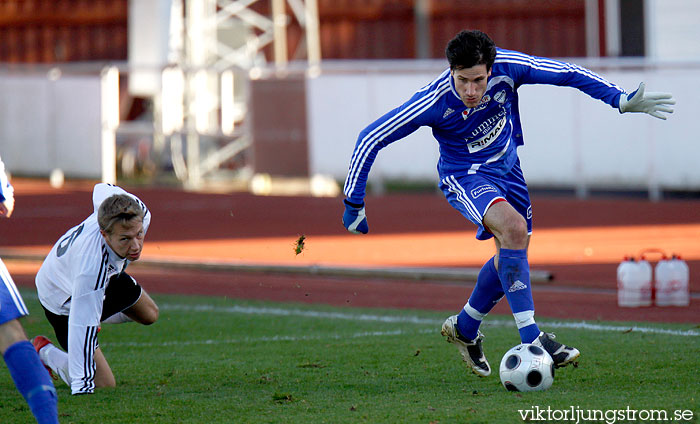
(266, 97)
(207, 93)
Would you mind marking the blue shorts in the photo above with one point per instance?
(473, 194)
(11, 303)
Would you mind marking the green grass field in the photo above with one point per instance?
(216, 360)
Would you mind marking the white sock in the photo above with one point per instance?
(57, 360)
(118, 318)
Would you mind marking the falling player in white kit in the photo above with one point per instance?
(82, 283)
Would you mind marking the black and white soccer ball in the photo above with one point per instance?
(526, 368)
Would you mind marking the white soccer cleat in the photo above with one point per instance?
(471, 350)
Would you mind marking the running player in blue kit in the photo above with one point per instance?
(30, 377)
(472, 108)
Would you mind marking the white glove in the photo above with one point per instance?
(651, 103)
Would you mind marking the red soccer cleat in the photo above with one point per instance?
(39, 343)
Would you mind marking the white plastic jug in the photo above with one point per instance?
(672, 276)
(634, 283)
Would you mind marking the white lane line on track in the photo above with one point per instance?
(403, 319)
(253, 310)
(362, 334)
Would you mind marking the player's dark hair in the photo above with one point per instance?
(470, 48)
(118, 208)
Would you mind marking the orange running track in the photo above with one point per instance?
(579, 242)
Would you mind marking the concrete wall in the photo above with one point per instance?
(49, 121)
(672, 30)
(571, 140)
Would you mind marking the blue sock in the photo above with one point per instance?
(514, 272)
(487, 292)
(33, 381)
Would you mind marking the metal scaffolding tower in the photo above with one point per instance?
(217, 46)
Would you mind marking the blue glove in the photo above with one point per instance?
(354, 218)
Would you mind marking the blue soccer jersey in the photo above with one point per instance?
(479, 140)
(11, 304)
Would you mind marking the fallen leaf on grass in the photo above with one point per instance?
(311, 365)
(283, 397)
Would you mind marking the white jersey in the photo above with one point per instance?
(72, 281)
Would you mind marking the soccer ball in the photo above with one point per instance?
(526, 368)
